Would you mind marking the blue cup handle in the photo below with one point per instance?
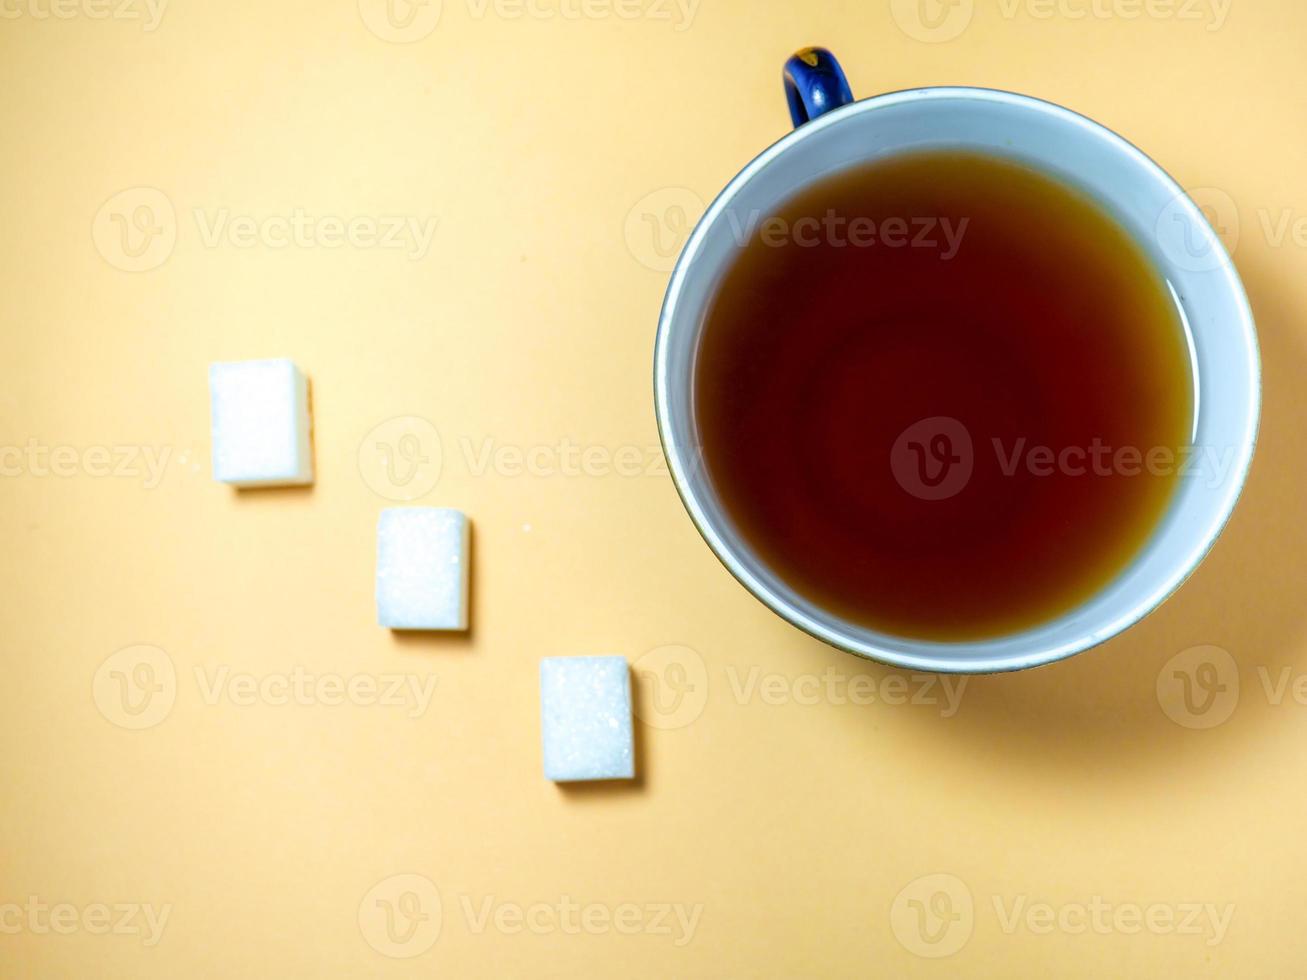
(814, 84)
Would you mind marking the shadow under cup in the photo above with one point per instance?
(1138, 195)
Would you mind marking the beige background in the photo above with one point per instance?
(781, 819)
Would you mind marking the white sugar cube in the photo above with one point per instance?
(585, 718)
(422, 568)
(261, 425)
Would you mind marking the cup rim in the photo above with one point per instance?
(937, 660)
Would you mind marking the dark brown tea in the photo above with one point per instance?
(943, 396)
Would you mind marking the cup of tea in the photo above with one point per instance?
(953, 378)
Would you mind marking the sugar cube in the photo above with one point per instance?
(585, 718)
(261, 425)
(422, 568)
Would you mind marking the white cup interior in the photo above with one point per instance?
(1147, 203)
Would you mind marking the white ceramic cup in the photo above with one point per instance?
(1078, 152)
